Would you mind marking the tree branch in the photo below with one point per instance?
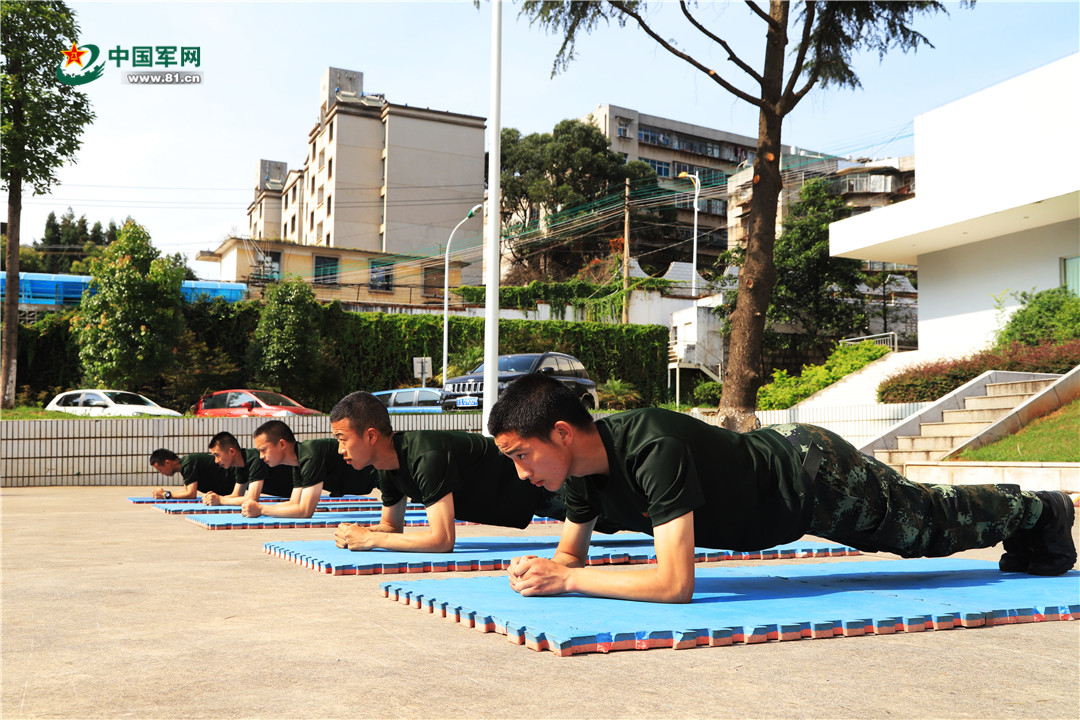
(720, 41)
(804, 45)
(763, 15)
(621, 7)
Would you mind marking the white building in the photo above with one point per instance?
(980, 229)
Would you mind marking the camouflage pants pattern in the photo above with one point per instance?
(861, 502)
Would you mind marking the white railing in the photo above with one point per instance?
(888, 339)
(858, 424)
(116, 451)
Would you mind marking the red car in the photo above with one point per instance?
(241, 403)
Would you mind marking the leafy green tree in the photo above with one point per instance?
(826, 35)
(130, 321)
(815, 298)
(30, 260)
(42, 121)
(559, 172)
(286, 347)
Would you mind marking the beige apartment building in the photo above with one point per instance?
(673, 147)
(367, 216)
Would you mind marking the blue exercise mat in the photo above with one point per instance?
(200, 509)
(757, 604)
(170, 501)
(495, 553)
(234, 521)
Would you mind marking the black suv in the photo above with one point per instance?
(467, 391)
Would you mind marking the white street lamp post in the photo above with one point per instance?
(446, 292)
(697, 191)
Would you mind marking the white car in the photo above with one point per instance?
(108, 403)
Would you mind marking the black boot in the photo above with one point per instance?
(1052, 549)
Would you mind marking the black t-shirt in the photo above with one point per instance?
(202, 469)
(277, 481)
(746, 490)
(320, 462)
(484, 482)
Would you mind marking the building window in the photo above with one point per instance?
(382, 276)
(1070, 270)
(330, 169)
(623, 128)
(433, 281)
(330, 130)
(284, 229)
(652, 136)
(292, 224)
(662, 169)
(329, 204)
(321, 192)
(326, 270)
(286, 205)
(294, 192)
(327, 239)
(311, 223)
(322, 158)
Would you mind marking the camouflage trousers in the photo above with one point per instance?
(861, 502)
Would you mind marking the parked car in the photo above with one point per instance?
(108, 403)
(466, 391)
(411, 400)
(242, 403)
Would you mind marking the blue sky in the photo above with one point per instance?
(182, 160)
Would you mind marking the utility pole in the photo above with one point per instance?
(626, 256)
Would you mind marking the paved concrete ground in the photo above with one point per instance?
(116, 611)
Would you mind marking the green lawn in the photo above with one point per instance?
(1054, 438)
(34, 413)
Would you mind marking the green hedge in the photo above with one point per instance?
(785, 391)
(929, 381)
(359, 351)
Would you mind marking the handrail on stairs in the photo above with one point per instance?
(890, 339)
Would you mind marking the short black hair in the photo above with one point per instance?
(161, 455)
(363, 410)
(532, 404)
(224, 440)
(275, 431)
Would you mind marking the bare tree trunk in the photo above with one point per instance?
(11, 295)
(745, 373)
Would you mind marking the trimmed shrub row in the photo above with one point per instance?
(931, 380)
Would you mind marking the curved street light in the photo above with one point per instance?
(697, 190)
(446, 291)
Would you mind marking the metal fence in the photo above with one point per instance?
(115, 451)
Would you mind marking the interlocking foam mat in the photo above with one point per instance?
(495, 553)
(757, 604)
(200, 509)
(197, 501)
(233, 521)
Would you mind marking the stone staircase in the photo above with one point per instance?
(938, 439)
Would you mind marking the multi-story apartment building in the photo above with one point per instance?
(368, 214)
(672, 147)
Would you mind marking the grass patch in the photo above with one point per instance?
(27, 412)
(1054, 438)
